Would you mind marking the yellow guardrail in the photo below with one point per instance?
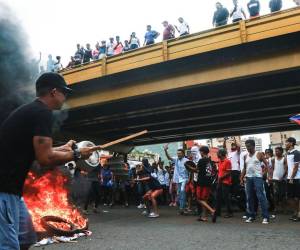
(263, 27)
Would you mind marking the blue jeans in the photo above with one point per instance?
(255, 185)
(181, 194)
(16, 227)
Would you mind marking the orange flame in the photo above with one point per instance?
(47, 195)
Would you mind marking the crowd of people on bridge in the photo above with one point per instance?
(114, 46)
(197, 185)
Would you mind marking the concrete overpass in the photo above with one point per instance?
(238, 79)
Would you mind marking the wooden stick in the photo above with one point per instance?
(129, 137)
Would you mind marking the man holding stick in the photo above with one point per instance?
(25, 136)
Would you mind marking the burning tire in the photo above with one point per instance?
(61, 227)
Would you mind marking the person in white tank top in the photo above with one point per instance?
(253, 171)
(279, 173)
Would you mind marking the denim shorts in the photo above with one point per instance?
(16, 227)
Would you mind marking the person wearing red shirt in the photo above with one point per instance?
(224, 183)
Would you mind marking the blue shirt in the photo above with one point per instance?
(150, 35)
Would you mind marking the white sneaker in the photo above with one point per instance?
(273, 216)
(145, 213)
(265, 221)
(153, 215)
(85, 212)
(249, 220)
(140, 206)
(245, 217)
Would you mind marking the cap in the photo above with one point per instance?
(52, 80)
(291, 140)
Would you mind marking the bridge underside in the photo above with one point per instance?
(254, 105)
(244, 105)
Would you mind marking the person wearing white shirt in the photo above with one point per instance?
(293, 160)
(279, 172)
(237, 14)
(180, 176)
(184, 28)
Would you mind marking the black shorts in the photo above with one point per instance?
(294, 189)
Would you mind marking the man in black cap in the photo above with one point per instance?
(25, 136)
(293, 160)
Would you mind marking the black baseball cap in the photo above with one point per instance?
(52, 80)
(291, 140)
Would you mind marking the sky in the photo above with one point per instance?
(56, 26)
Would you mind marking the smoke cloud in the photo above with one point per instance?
(16, 85)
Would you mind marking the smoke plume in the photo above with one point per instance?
(15, 65)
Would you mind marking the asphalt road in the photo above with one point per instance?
(126, 228)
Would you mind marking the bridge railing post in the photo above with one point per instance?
(165, 52)
(103, 66)
(243, 31)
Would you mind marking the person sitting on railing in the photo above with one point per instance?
(134, 41)
(253, 8)
(71, 63)
(110, 47)
(126, 46)
(119, 46)
(220, 16)
(275, 5)
(95, 53)
(169, 31)
(184, 28)
(150, 36)
(102, 50)
(238, 13)
(79, 54)
(87, 56)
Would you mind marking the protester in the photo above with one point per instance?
(180, 176)
(102, 50)
(95, 53)
(253, 171)
(224, 183)
(279, 173)
(79, 55)
(57, 65)
(126, 46)
(253, 8)
(162, 177)
(184, 28)
(71, 63)
(87, 55)
(275, 5)
(150, 36)
(169, 31)
(134, 42)
(154, 190)
(234, 157)
(237, 14)
(267, 177)
(29, 127)
(172, 188)
(206, 170)
(107, 184)
(50, 64)
(293, 159)
(118, 49)
(111, 47)
(220, 16)
(94, 193)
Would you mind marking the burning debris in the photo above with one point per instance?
(47, 198)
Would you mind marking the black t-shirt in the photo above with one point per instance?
(275, 5)
(87, 56)
(154, 184)
(16, 143)
(221, 15)
(205, 174)
(253, 7)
